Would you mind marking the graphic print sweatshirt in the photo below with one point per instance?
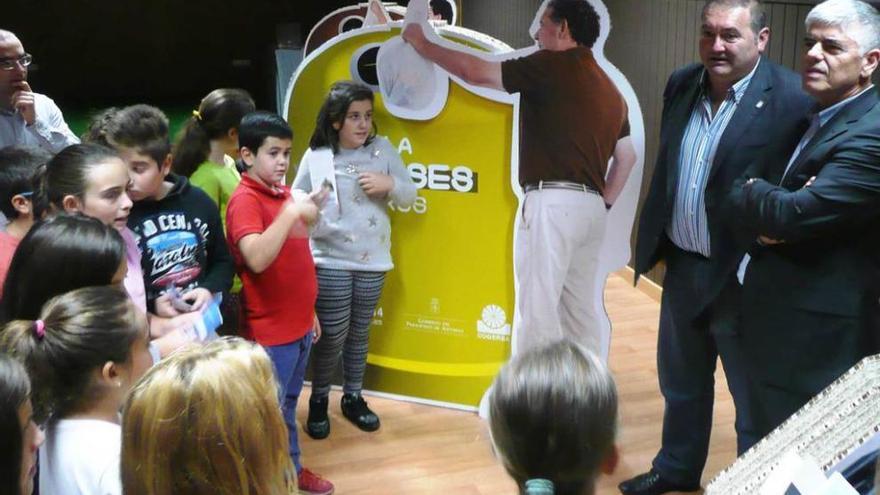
(181, 242)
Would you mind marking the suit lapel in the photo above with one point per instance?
(838, 125)
(679, 115)
(753, 102)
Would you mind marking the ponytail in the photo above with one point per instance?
(192, 148)
(19, 340)
(218, 112)
(76, 334)
(530, 436)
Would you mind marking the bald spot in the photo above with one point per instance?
(7, 36)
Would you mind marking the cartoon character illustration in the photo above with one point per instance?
(461, 145)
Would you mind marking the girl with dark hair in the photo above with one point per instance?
(92, 180)
(335, 111)
(84, 352)
(350, 244)
(20, 437)
(58, 255)
(553, 420)
(205, 152)
(67, 252)
(208, 144)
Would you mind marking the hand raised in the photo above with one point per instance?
(304, 208)
(23, 102)
(413, 35)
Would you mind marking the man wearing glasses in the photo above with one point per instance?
(27, 118)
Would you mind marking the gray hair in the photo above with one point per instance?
(859, 19)
(553, 415)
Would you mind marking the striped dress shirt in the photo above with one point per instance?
(689, 228)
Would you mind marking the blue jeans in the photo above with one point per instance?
(290, 362)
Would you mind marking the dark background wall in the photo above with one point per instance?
(159, 51)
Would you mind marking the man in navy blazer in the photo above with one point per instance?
(810, 293)
(718, 117)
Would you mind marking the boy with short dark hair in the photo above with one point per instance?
(18, 166)
(178, 227)
(267, 230)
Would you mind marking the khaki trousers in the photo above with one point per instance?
(556, 259)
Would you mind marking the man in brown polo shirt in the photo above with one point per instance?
(573, 122)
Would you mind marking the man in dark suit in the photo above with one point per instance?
(810, 293)
(718, 117)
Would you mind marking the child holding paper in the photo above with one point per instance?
(177, 226)
(268, 234)
(351, 245)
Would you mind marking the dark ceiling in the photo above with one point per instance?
(164, 50)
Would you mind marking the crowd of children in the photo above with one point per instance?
(116, 249)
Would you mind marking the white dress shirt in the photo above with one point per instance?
(49, 131)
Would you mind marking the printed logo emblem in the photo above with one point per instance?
(493, 324)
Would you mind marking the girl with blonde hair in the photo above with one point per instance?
(206, 420)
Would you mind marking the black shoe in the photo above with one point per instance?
(355, 409)
(651, 483)
(318, 424)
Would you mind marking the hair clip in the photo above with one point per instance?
(40, 329)
(539, 486)
(197, 115)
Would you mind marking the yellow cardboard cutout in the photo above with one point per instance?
(442, 329)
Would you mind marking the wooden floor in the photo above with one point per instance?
(430, 450)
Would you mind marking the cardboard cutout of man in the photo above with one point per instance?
(810, 293)
(574, 120)
(27, 118)
(718, 117)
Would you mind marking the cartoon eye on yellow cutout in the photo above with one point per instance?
(444, 324)
(341, 21)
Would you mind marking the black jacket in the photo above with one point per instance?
(769, 119)
(814, 297)
(181, 241)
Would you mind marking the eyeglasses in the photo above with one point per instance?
(10, 63)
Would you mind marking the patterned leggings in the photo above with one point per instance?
(346, 301)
